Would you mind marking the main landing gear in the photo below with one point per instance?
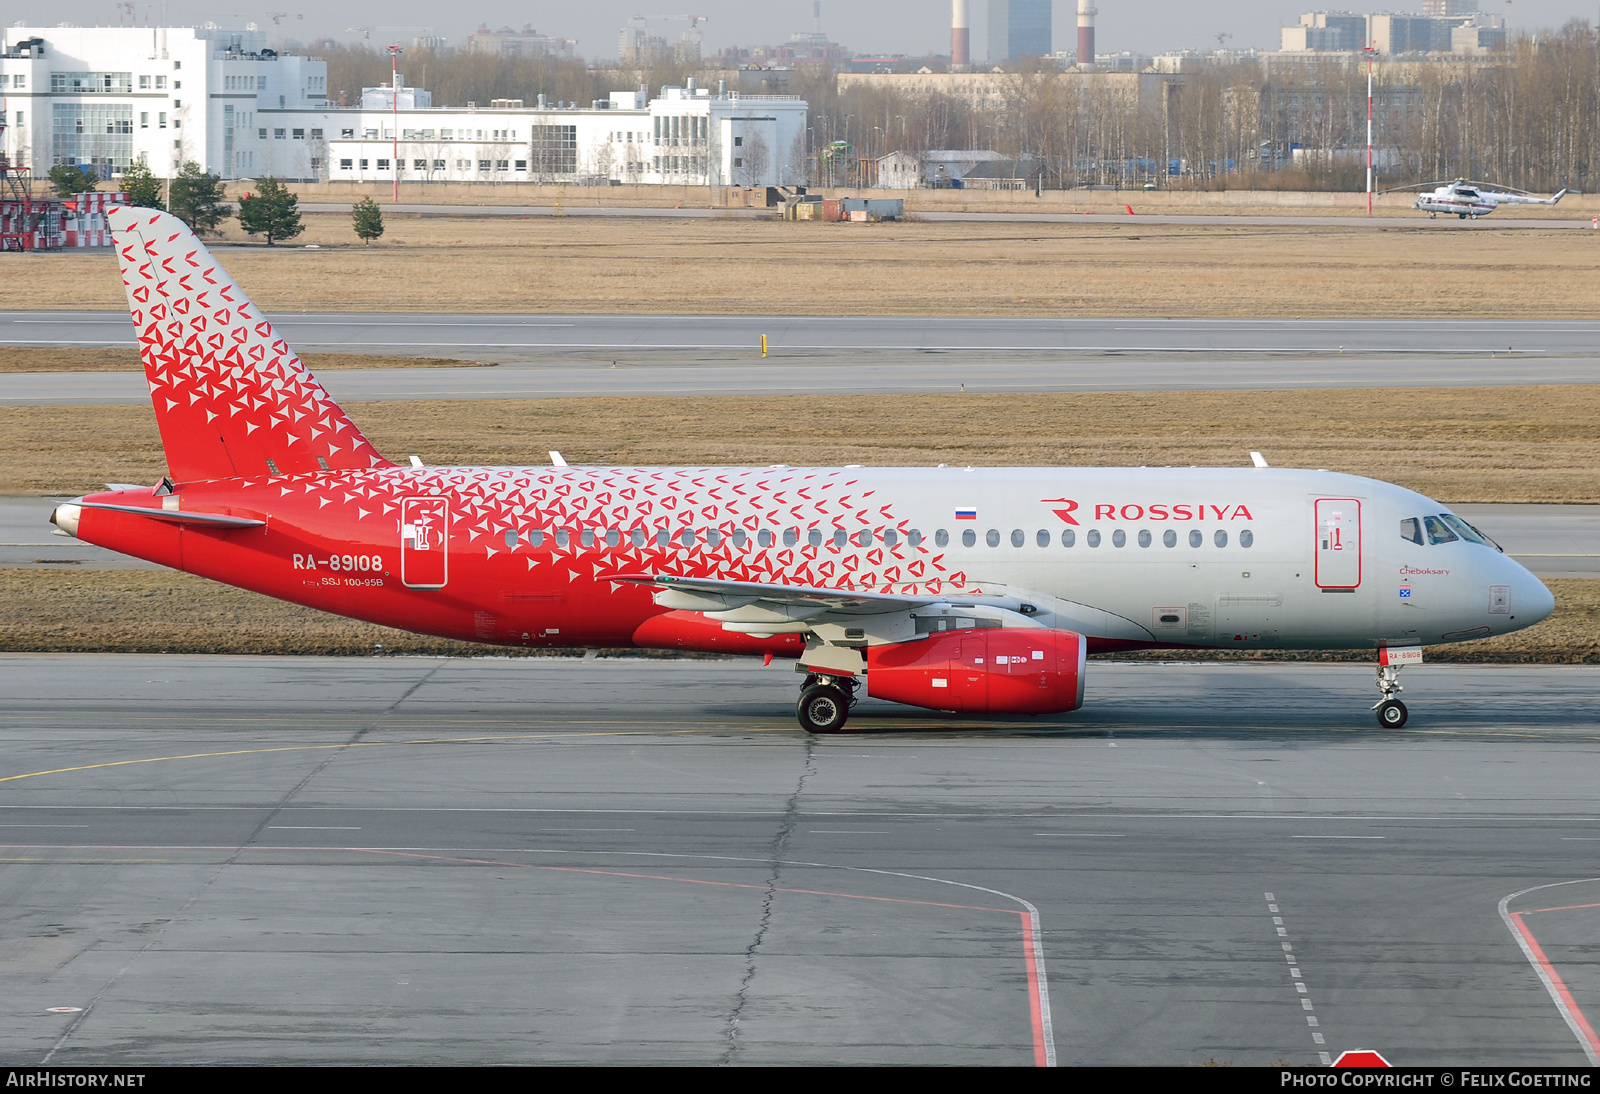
(825, 703)
(1391, 711)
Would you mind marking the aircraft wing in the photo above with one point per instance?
(705, 594)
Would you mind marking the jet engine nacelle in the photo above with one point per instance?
(985, 670)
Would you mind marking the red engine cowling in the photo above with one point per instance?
(982, 671)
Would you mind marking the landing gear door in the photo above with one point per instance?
(424, 542)
(1338, 543)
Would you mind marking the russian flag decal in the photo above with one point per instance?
(965, 513)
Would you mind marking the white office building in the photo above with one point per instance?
(687, 135)
(104, 97)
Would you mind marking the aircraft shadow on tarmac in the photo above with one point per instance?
(1313, 722)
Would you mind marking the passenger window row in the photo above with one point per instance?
(712, 537)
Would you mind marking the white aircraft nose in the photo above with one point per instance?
(1533, 602)
(66, 517)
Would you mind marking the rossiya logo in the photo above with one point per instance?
(1066, 507)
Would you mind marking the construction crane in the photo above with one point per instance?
(366, 32)
(692, 20)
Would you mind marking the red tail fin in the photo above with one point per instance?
(231, 398)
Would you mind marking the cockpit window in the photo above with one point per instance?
(1465, 530)
(1411, 529)
(1438, 531)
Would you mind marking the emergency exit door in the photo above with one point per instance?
(424, 542)
(1338, 563)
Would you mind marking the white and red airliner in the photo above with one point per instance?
(976, 590)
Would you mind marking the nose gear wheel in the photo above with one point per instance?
(1391, 711)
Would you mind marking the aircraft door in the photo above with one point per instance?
(1338, 543)
(424, 542)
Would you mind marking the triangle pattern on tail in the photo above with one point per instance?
(232, 400)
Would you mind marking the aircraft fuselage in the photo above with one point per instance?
(1130, 558)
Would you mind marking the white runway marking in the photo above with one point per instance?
(1560, 994)
(1338, 837)
(1295, 978)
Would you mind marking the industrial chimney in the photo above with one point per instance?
(960, 36)
(1086, 13)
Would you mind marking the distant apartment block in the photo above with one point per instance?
(524, 43)
(1444, 26)
(1019, 28)
(1326, 32)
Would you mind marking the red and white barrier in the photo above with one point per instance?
(84, 221)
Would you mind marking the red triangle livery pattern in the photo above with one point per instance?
(229, 394)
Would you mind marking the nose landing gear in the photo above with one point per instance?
(825, 703)
(1391, 711)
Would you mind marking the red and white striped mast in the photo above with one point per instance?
(394, 96)
(1369, 52)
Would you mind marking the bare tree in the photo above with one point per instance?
(757, 160)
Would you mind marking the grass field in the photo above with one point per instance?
(1101, 267)
(1456, 444)
(143, 611)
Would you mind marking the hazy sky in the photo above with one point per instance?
(887, 26)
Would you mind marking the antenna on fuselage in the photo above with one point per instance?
(1258, 459)
(556, 459)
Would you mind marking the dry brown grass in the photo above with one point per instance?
(162, 611)
(1478, 444)
(115, 359)
(1100, 267)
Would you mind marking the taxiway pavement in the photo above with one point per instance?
(574, 356)
(440, 334)
(251, 860)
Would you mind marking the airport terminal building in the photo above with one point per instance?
(106, 97)
(688, 135)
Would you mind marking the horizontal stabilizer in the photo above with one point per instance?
(175, 516)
